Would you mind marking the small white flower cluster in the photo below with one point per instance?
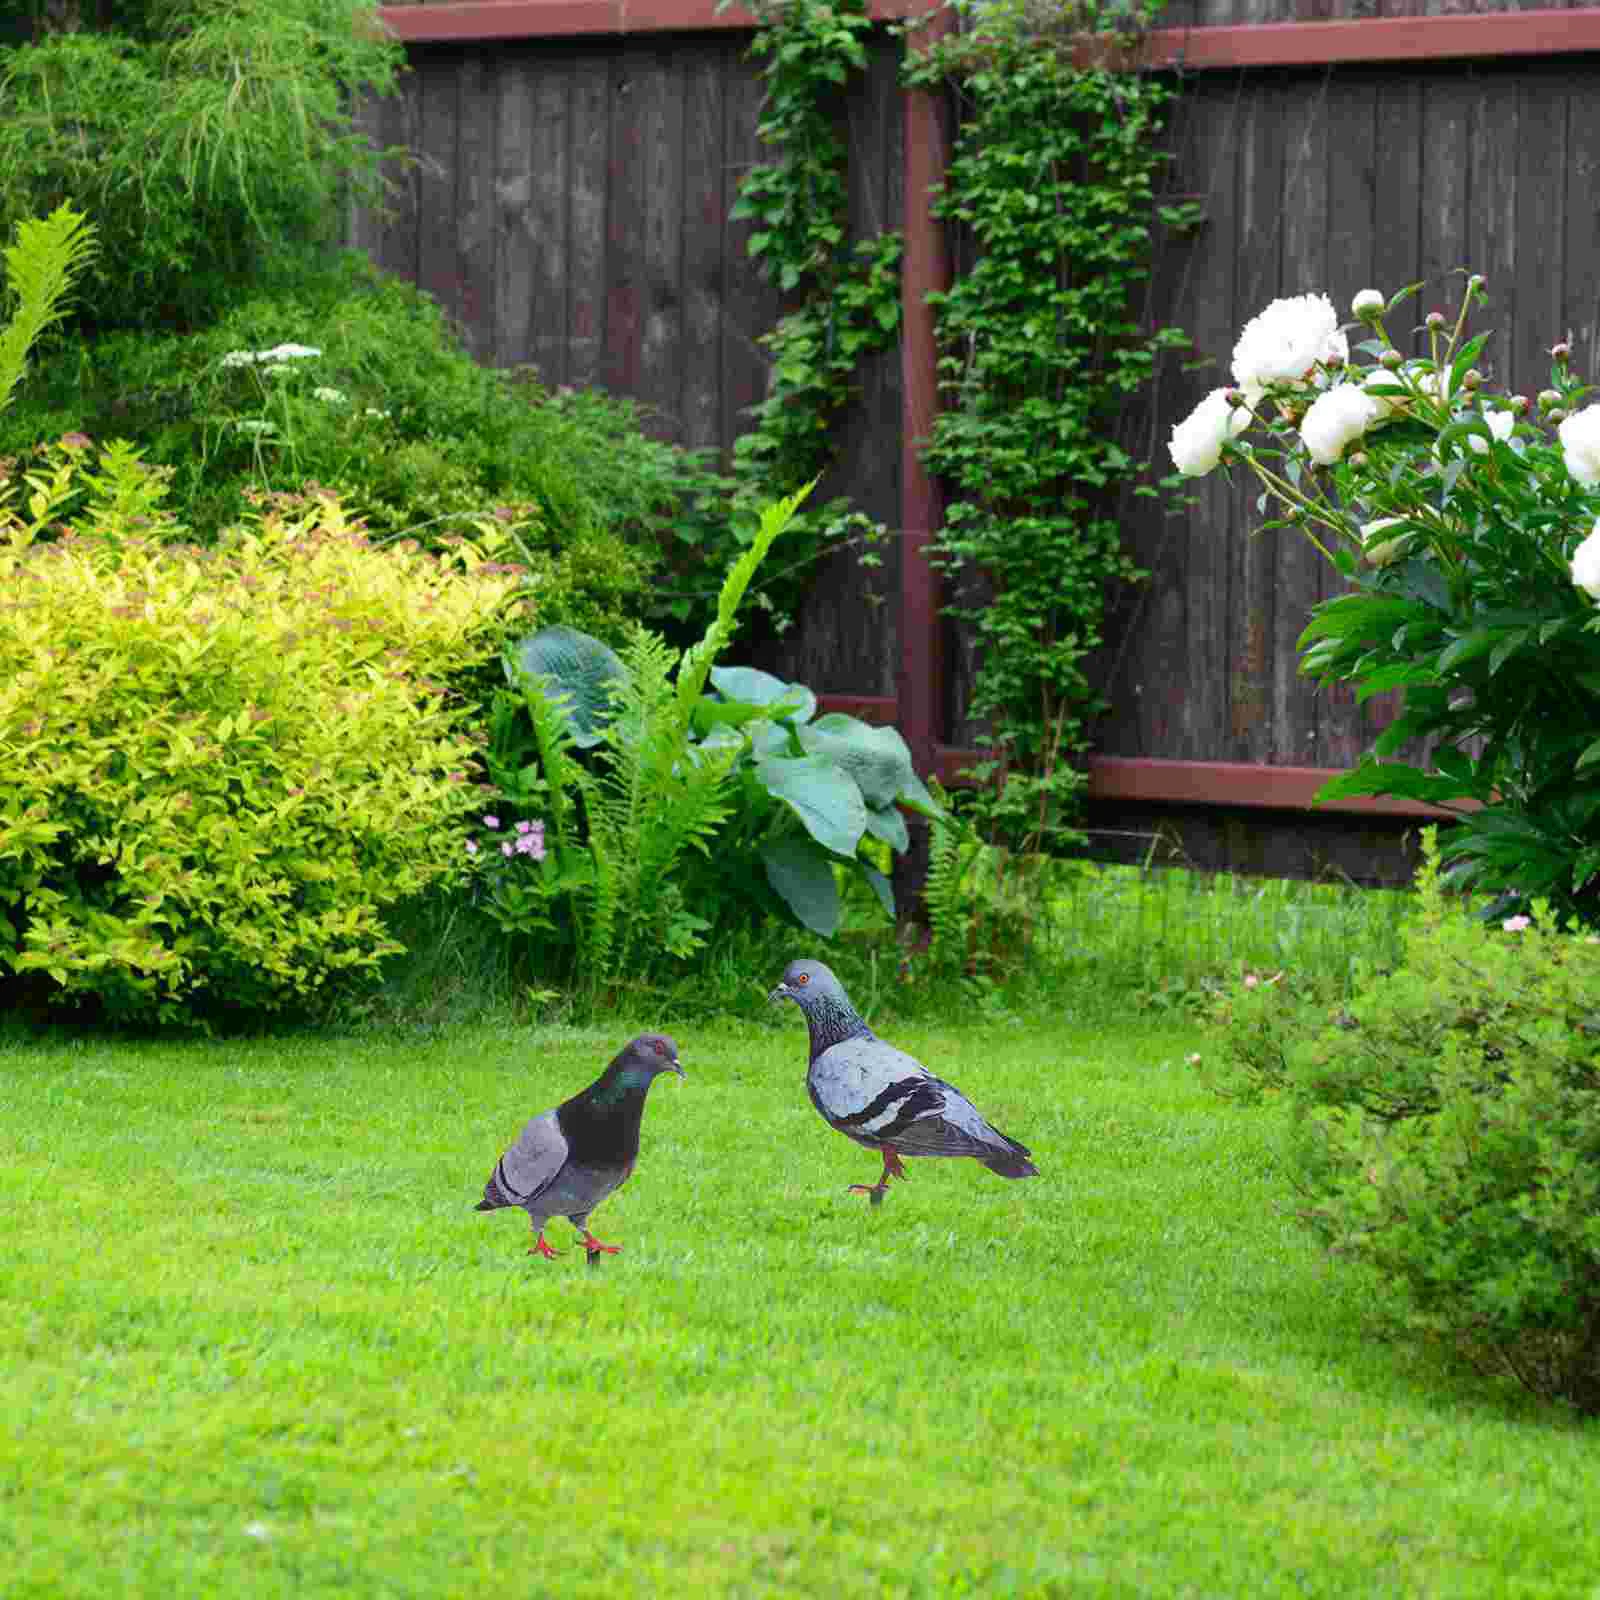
(331, 397)
(276, 359)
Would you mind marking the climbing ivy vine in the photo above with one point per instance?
(843, 300)
(1053, 178)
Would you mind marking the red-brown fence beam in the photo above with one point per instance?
(1156, 781)
(1264, 44)
(1320, 44)
(470, 20)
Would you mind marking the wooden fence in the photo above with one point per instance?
(578, 162)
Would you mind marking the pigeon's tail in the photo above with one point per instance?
(1012, 1162)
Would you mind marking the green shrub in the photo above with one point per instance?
(1444, 1129)
(222, 765)
(211, 142)
(417, 439)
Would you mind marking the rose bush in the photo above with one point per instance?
(1467, 524)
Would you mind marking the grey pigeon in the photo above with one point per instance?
(568, 1160)
(880, 1096)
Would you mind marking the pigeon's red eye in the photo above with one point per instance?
(803, 979)
(661, 1049)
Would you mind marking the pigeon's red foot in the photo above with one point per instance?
(892, 1168)
(540, 1248)
(594, 1247)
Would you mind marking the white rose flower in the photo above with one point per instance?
(1335, 419)
(1580, 444)
(1500, 425)
(1286, 341)
(1368, 303)
(1196, 442)
(1586, 558)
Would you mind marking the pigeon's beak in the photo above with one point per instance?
(782, 992)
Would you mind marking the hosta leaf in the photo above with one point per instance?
(573, 667)
(877, 758)
(822, 795)
(887, 824)
(801, 876)
(880, 887)
(747, 692)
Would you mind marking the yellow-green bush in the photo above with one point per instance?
(219, 766)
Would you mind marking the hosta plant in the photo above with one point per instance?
(222, 766)
(674, 797)
(1465, 520)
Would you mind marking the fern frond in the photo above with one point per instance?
(48, 254)
(553, 737)
(951, 845)
(700, 658)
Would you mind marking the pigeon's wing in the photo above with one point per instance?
(879, 1095)
(939, 1120)
(534, 1162)
(860, 1084)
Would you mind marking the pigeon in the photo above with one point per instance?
(880, 1096)
(568, 1160)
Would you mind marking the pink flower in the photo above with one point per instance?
(1516, 924)
(491, 822)
(506, 848)
(472, 847)
(524, 826)
(1251, 980)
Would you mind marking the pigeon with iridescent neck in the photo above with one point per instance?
(883, 1098)
(568, 1160)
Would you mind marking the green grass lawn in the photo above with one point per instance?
(255, 1341)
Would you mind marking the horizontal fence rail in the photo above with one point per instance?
(1152, 778)
(1480, 35)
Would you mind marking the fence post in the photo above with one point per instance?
(925, 268)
